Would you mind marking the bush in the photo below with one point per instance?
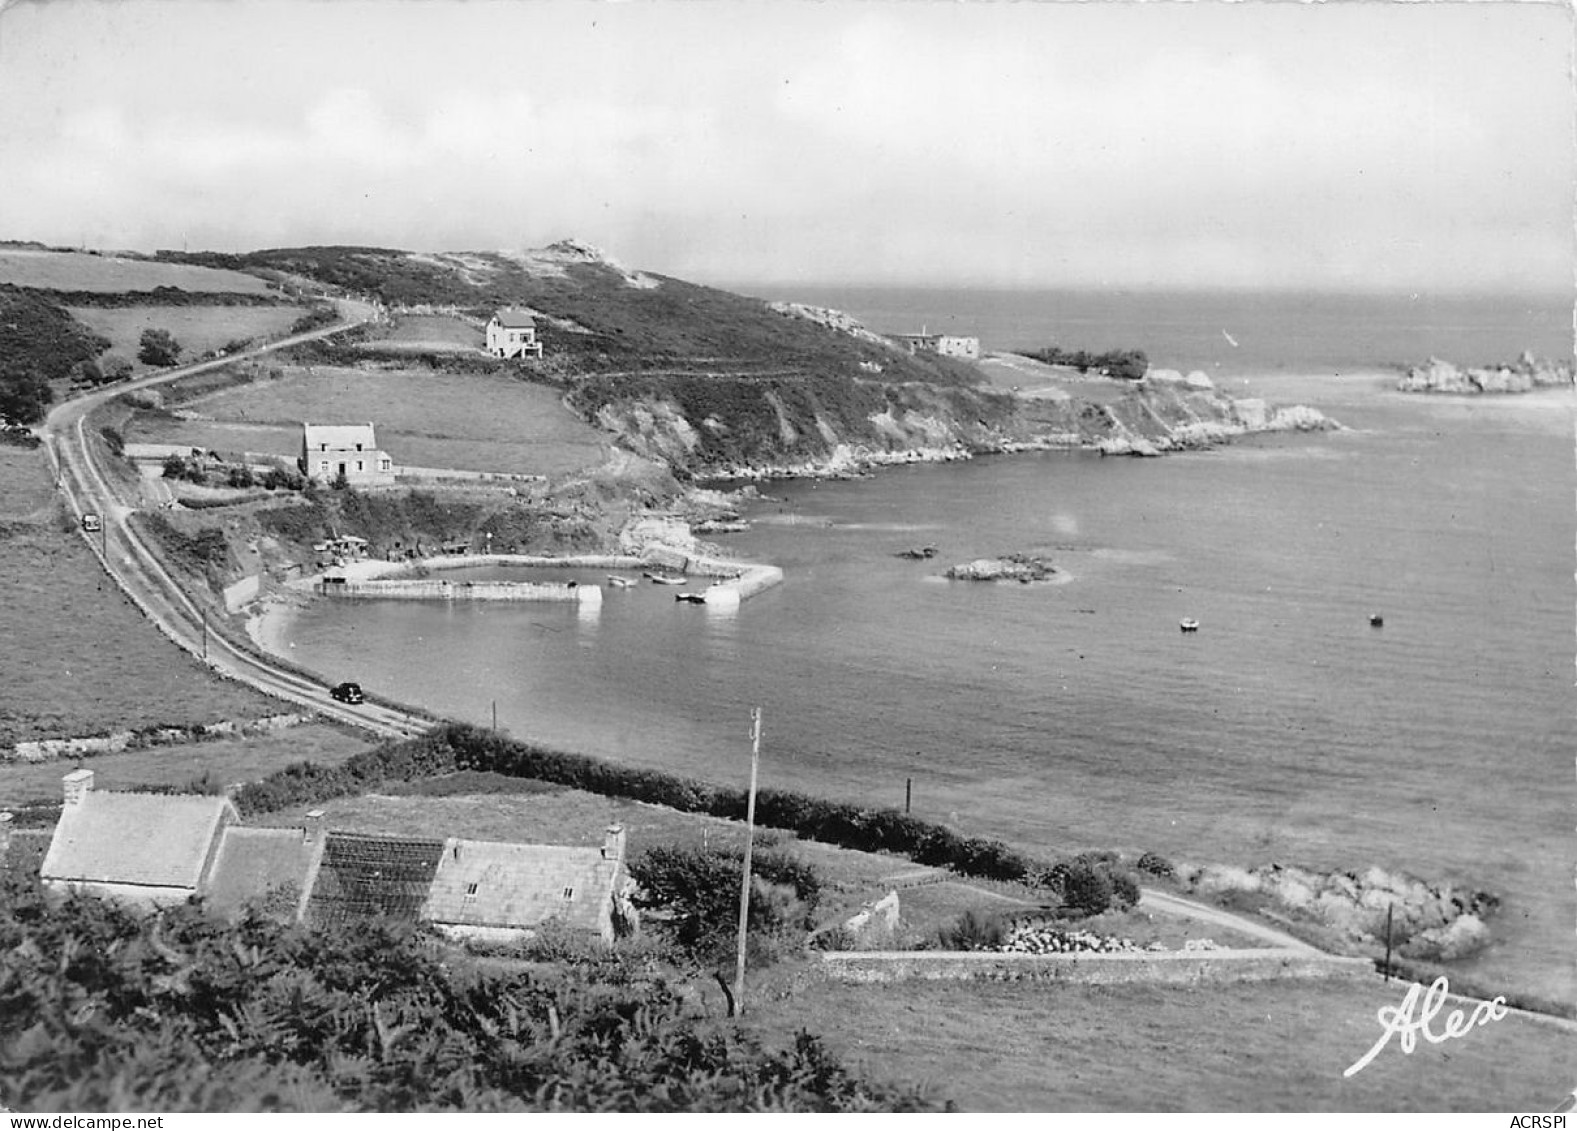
(1156, 865)
(973, 930)
(1091, 883)
(158, 348)
(114, 441)
(698, 889)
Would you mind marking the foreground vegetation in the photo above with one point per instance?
(107, 1011)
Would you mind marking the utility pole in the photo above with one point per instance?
(908, 793)
(495, 714)
(205, 635)
(744, 883)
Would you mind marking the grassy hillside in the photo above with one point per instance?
(599, 314)
(79, 659)
(90, 271)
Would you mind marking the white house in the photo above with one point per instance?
(948, 345)
(513, 333)
(329, 451)
(142, 849)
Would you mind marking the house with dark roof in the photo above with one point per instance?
(329, 451)
(143, 849)
(152, 850)
(372, 876)
(496, 891)
(512, 332)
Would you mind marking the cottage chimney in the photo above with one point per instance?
(77, 785)
(5, 838)
(312, 830)
(613, 843)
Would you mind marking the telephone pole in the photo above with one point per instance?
(744, 883)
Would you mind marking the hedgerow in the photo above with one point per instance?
(458, 746)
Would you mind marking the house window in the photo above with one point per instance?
(569, 893)
(323, 466)
(470, 891)
(358, 465)
(358, 447)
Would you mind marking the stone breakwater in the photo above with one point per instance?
(441, 589)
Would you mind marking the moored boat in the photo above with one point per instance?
(1188, 624)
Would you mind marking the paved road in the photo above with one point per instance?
(127, 559)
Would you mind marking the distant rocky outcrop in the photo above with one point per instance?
(830, 318)
(1015, 567)
(1428, 921)
(1527, 374)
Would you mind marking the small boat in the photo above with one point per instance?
(1188, 624)
(692, 598)
(665, 579)
(620, 582)
(1376, 620)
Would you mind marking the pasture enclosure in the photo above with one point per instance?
(79, 271)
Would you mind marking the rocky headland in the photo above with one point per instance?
(1527, 374)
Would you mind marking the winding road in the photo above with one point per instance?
(133, 566)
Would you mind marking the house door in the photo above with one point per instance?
(342, 469)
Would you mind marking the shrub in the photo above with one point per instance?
(1094, 882)
(973, 930)
(698, 889)
(1155, 865)
(158, 348)
(114, 440)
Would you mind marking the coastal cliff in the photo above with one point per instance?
(766, 428)
(1527, 374)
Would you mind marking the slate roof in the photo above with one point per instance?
(154, 839)
(372, 875)
(491, 884)
(339, 437)
(513, 318)
(253, 862)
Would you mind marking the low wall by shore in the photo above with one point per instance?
(438, 589)
(1157, 968)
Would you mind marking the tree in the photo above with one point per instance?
(158, 347)
(24, 395)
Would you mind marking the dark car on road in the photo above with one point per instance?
(347, 693)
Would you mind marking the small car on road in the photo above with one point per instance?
(91, 523)
(347, 693)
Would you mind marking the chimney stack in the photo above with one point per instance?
(613, 843)
(312, 830)
(77, 785)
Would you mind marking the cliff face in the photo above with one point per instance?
(1527, 374)
(723, 427)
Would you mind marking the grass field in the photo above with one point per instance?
(424, 418)
(74, 271)
(79, 658)
(228, 760)
(432, 331)
(28, 489)
(1268, 1046)
(198, 329)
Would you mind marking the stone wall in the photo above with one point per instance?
(1161, 968)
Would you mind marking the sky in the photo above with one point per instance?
(1347, 146)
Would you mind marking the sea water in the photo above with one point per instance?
(1075, 714)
